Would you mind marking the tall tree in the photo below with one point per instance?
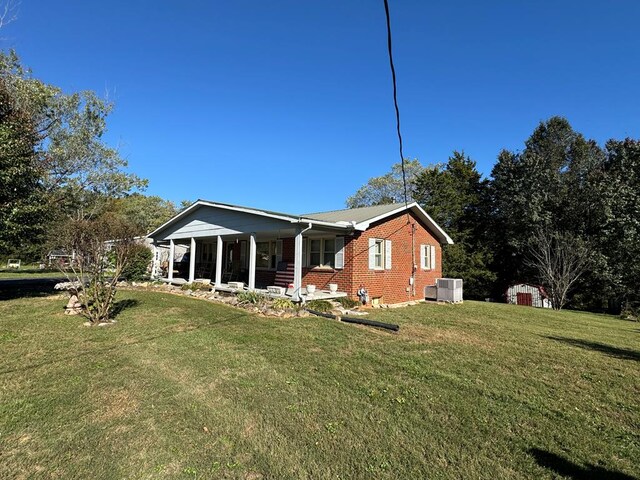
(619, 237)
(547, 186)
(455, 196)
(22, 205)
(388, 188)
(145, 212)
(53, 158)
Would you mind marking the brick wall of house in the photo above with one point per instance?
(390, 286)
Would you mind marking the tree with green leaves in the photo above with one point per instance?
(54, 162)
(548, 186)
(145, 212)
(454, 194)
(23, 210)
(388, 188)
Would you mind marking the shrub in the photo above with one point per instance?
(195, 286)
(347, 302)
(136, 267)
(283, 304)
(319, 305)
(251, 298)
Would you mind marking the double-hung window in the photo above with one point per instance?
(379, 254)
(322, 252)
(268, 254)
(428, 257)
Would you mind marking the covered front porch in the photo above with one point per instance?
(259, 249)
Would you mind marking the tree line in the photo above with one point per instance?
(56, 168)
(563, 212)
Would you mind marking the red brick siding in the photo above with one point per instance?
(390, 285)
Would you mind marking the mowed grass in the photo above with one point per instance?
(183, 388)
(28, 272)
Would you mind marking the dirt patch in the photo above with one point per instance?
(431, 335)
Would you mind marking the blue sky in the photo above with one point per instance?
(287, 105)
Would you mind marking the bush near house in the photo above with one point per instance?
(137, 267)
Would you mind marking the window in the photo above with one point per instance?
(268, 254)
(378, 249)
(262, 254)
(322, 252)
(428, 257)
(379, 254)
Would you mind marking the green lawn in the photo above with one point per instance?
(183, 388)
(28, 272)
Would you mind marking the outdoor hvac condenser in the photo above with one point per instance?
(449, 290)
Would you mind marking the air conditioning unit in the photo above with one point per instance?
(431, 292)
(449, 290)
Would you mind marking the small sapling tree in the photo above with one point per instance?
(102, 248)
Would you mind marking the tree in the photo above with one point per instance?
(22, 207)
(619, 237)
(548, 186)
(102, 248)
(145, 212)
(559, 259)
(455, 196)
(53, 160)
(388, 188)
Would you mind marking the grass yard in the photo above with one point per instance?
(183, 388)
(30, 271)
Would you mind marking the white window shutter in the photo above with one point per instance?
(339, 258)
(387, 254)
(278, 252)
(433, 257)
(372, 253)
(423, 254)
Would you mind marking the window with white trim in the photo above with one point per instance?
(267, 254)
(428, 257)
(322, 252)
(379, 254)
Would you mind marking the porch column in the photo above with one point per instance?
(172, 252)
(192, 260)
(297, 265)
(252, 261)
(154, 263)
(219, 261)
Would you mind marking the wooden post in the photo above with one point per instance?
(219, 261)
(172, 252)
(192, 260)
(252, 261)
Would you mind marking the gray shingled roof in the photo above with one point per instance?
(357, 215)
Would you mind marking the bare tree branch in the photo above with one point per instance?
(559, 259)
(8, 12)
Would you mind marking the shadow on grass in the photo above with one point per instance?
(121, 305)
(567, 468)
(623, 353)
(24, 288)
(100, 351)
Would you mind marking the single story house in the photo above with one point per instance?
(391, 251)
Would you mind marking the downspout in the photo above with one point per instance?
(297, 287)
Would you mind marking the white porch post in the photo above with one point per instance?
(252, 261)
(219, 261)
(297, 265)
(192, 260)
(172, 252)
